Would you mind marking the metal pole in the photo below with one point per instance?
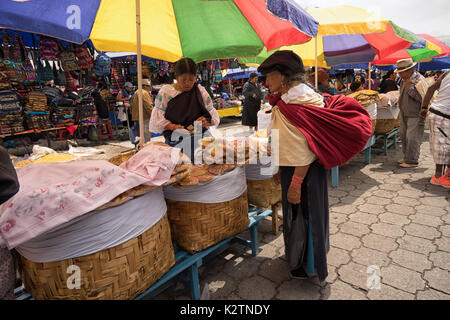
(370, 76)
(139, 70)
(316, 64)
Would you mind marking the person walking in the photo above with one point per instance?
(147, 108)
(439, 122)
(412, 90)
(252, 103)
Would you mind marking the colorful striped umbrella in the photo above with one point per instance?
(347, 32)
(171, 29)
(426, 48)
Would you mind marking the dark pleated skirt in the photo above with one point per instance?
(315, 210)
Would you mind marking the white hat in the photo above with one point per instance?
(146, 82)
(405, 64)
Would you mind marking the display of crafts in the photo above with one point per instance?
(366, 97)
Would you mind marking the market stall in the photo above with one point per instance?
(103, 214)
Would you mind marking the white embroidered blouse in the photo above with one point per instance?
(158, 122)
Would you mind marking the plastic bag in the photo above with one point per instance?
(84, 152)
(39, 152)
(295, 237)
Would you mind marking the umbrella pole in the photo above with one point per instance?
(139, 70)
(370, 76)
(316, 64)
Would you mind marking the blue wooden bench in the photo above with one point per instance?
(187, 265)
(368, 158)
(384, 141)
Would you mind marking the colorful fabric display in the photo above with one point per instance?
(102, 65)
(17, 48)
(84, 57)
(4, 81)
(14, 70)
(9, 103)
(69, 61)
(37, 102)
(48, 49)
(38, 120)
(11, 123)
(86, 112)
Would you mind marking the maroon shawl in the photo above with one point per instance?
(336, 133)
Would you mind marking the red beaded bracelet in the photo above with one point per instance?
(296, 181)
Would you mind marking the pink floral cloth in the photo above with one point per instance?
(54, 193)
(155, 163)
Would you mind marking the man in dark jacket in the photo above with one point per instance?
(252, 103)
(9, 186)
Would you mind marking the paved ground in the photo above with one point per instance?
(384, 220)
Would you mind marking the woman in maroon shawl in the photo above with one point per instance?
(315, 134)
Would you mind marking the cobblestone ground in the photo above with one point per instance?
(384, 220)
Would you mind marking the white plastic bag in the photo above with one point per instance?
(264, 119)
(39, 152)
(84, 152)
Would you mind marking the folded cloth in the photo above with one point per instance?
(155, 163)
(54, 193)
(336, 133)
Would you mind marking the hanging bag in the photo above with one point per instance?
(60, 77)
(84, 57)
(48, 49)
(102, 65)
(68, 59)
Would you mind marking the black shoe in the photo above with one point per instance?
(299, 273)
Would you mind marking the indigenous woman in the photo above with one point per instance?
(252, 103)
(179, 105)
(314, 135)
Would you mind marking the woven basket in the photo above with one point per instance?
(263, 193)
(374, 125)
(121, 272)
(196, 226)
(386, 125)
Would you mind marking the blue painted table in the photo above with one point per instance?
(385, 141)
(368, 157)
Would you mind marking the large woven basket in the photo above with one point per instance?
(263, 193)
(196, 226)
(374, 125)
(386, 125)
(122, 272)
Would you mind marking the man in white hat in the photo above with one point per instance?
(148, 107)
(413, 88)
